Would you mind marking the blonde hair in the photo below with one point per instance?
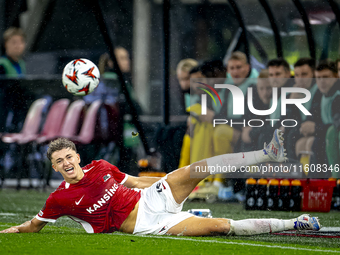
(12, 31)
(238, 55)
(186, 64)
(264, 73)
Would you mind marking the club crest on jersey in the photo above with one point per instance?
(106, 177)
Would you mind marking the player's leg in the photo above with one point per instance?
(182, 181)
(196, 226)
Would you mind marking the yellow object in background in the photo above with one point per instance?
(304, 160)
(143, 163)
(185, 152)
(222, 139)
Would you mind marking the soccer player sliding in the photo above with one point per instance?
(103, 199)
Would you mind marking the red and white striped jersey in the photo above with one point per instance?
(99, 201)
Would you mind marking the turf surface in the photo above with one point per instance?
(67, 236)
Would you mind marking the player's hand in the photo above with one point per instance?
(307, 128)
(208, 117)
(245, 135)
(10, 230)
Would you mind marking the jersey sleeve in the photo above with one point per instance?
(117, 175)
(51, 211)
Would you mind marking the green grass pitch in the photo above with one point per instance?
(67, 237)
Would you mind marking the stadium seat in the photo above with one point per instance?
(87, 131)
(70, 124)
(31, 124)
(30, 133)
(31, 127)
(53, 123)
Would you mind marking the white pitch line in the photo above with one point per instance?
(236, 243)
(326, 229)
(8, 214)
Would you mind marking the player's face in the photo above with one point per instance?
(238, 70)
(278, 76)
(303, 76)
(325, 80)
(66, 162)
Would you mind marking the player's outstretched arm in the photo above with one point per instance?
(31, 226)
(140, 182)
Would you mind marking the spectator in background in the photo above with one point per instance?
(183, 76)
(201, 125)
(262, 95)
(192, 100)
(105, 64)
(12, 112)
(11, 64)
(304, 70)
(108, 91)
(196, 73)
(106, 69)
(226, 139)
(242, 75)
(123, 59)
(214, 69)
(279, 77)
(324, 113)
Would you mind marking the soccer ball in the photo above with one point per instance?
(80, 77)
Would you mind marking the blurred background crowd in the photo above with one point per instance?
(159, 47)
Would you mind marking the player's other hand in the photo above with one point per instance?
(10, 230)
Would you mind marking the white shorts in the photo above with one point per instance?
(158, 211)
